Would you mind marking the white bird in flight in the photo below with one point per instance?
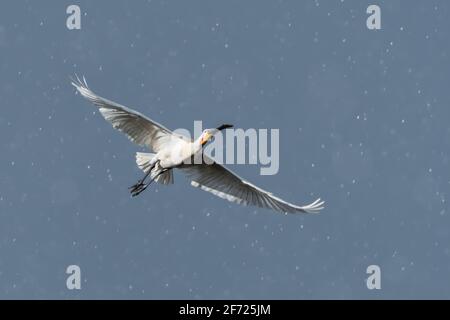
(172, 151)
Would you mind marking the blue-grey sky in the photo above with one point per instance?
(363, 118)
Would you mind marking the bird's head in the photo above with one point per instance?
(208, 134)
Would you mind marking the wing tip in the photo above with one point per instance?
(78, 83)
(314, 207)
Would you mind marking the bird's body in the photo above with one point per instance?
(174, 154)
(173, 151)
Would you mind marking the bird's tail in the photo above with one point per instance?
(145, 162)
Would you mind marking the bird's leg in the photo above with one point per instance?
(141, 186)
(140, 182)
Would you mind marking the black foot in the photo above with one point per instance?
(138, 188)
(137, 185)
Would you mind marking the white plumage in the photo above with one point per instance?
(172, 151)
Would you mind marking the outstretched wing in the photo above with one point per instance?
(225, 184)
(137, 127)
